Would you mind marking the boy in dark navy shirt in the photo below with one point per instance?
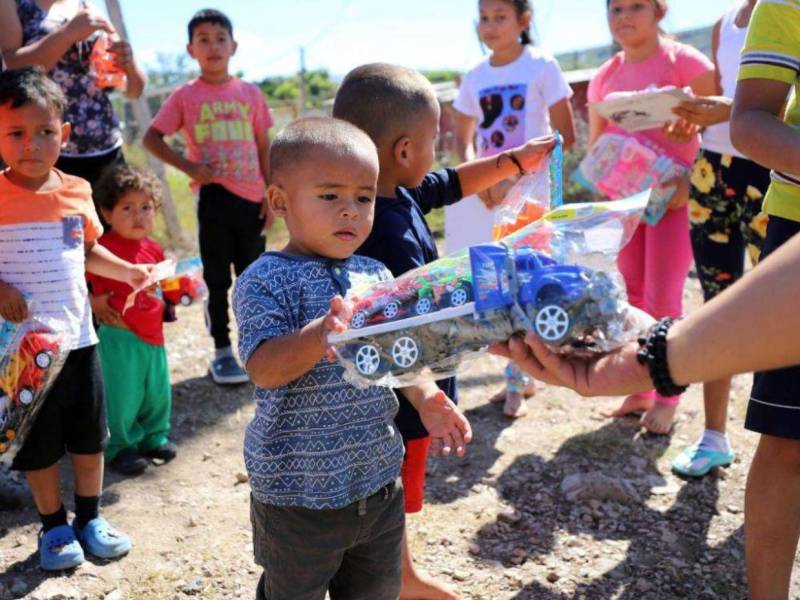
(397, 107)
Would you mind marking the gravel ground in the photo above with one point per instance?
(503, 522)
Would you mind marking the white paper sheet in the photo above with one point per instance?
(637, 111)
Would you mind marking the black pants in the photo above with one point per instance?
(231, 233)
(353, 553)
(90, 168)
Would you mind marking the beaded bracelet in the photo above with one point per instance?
(512, 157)
(653, 353)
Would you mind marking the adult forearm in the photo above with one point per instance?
(281, 360)
(45, 52)
(750, 128)
(752, 326)
(136, 82)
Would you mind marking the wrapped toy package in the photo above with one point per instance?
(619, 166)
(185, 285)
(101, 62)
(31, 356)
(556, 277)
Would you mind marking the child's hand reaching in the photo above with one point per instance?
(447, 426)
(12, 305)
(533, 154)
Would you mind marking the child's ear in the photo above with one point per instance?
(106, 214)
(402, 151)
(189, 50)
(235, 47)
(526, 19)
(66, 129)
(277, 200)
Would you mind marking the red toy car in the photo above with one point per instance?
(23, 375)
(183, 289)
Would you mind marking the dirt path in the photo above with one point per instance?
(496, 523)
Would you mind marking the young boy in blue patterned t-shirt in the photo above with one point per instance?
(323, 456)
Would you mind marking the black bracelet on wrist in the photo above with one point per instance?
(512, 157)
(653, 353)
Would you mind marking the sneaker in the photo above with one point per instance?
(59, 549)
(226, 371)
(100, 539)
(694, 462)
(129, 462)
(163, 453)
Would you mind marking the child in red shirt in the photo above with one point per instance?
(132, 354)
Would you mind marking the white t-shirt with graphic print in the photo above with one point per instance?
(511, 105)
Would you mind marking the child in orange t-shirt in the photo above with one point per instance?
(48, 239)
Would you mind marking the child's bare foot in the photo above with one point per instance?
(515, 405)
(421, 586)
(659, 418)
(499, 397)
(635, 403)
(530, 392)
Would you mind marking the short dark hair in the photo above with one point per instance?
(118, 180)
(383, 99)
(31, 85)
(209, 15)
(304, 139)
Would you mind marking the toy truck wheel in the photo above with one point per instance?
(368, 360)
(423, 306)
(459, 296)
(43, 359)
(405, 352)
(25, 396)
(391, 310)
(186, 300)
(552, 323)
(359, 320)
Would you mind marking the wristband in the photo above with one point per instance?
(653, 353)
(510, 156)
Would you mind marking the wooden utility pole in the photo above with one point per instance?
(141, 112)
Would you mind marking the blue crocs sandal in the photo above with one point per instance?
(694, 462)
(59, 549)
(100, 539)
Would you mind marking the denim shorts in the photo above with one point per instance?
(352, 552)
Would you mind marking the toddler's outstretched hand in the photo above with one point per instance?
(335, 322)
(446, 424)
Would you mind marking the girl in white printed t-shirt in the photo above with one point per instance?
(516, 94)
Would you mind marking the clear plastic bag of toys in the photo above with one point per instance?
(185, 285)
(531, 197)
(556, 277)
(620, 165)
(31, 356)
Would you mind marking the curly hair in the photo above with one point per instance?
(118, 180)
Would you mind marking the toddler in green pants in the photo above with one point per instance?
(132, 353)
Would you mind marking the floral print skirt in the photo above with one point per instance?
(725, 217)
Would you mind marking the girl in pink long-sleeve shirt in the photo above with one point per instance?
(656, 262)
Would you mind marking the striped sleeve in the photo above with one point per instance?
(772, 49)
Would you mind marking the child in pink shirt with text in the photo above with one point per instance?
(225, 124)
(656, 262)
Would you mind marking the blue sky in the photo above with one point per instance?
(339, 34)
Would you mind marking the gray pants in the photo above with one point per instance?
(353, 552)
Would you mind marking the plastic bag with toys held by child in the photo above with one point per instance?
(186, 285)
(556, 277)
(31, 356)
(620, 165)
(105, 70)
